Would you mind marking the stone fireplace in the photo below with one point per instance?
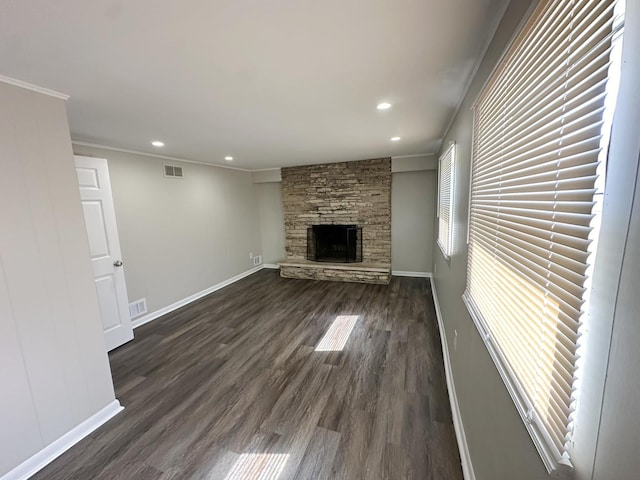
(348, 207)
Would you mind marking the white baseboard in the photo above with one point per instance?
(272, 266)
(465, 457)
(181, 303)
(402, 273)
(48, 454)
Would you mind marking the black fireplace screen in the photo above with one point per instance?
(334, 243)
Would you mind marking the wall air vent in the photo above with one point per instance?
(172, 171)
(137, 308)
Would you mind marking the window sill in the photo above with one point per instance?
(558, 467)
(443, 250)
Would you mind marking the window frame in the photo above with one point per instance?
(446, 247)
(560, 468)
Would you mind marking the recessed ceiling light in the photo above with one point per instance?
(384, 106)
(228, 158)
(157, 143)
(395, 139)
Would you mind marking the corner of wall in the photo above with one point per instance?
(463, 447)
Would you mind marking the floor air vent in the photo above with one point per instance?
(172, 171)
(137, 308)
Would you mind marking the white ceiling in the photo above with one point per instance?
(271, 82)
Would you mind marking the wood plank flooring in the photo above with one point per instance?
(230, 387)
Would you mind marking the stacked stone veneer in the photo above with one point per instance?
(339, 193)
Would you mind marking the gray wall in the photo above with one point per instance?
(499, 445)
(413, 204)
(180, 236)
(413, 200)
(55, 373)
(269, 198)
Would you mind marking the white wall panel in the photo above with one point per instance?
(55, 370)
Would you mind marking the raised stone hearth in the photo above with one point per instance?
(342, 272)
(348, 193)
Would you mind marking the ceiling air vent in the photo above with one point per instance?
(172, 171)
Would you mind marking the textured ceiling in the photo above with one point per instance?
(272, 83)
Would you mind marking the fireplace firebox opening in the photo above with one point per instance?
(334, 243)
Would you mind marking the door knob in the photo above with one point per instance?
(117, 263)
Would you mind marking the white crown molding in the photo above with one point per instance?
(192, 298)
(49, 453)
(184, 160)
(413, 155)
(463, 447)
(270, 169)
(154, 155)
(493, 29)
(34, 88)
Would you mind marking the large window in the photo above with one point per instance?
(445, 199)
(540, 137)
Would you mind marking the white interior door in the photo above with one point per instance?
(108, 271)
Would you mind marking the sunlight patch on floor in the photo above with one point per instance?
(258, 466)
(336, 337)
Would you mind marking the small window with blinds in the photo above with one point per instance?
(445, 200)
(540, 137)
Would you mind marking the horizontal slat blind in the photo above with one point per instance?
(445, 200)
(539, 145)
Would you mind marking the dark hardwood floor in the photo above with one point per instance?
(231, 387)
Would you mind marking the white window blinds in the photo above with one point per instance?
(445, 200)
(539, 146)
